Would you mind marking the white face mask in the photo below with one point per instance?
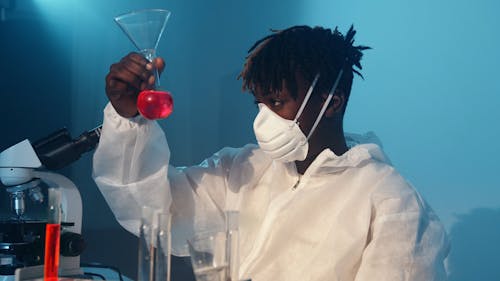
(282, 139)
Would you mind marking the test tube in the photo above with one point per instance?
(146, 251)
(52, 236)
(232, 244)
(162, 253)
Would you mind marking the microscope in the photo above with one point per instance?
(25, 172)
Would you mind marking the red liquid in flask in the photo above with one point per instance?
(52, 239)
(154, 104)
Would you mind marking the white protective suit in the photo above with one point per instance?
(349, 217)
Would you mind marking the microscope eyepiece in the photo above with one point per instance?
(59, 150)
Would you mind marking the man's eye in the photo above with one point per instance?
(276, 103)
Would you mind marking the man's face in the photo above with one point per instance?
(286, 106)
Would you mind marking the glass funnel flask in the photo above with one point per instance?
(145, 28)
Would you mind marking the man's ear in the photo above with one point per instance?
(336, 103)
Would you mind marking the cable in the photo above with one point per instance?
(98, 265)
(95, 274)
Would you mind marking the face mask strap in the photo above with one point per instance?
(328, 99)
(308, 95)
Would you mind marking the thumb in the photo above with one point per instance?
(159, 64)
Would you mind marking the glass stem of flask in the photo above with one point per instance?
(150, 55)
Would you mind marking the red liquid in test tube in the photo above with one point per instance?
(52, 236)
(154, 104)
(52, 243)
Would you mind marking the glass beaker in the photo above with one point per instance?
(144, 28)
(208, 256)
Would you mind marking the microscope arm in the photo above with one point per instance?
(71, 202)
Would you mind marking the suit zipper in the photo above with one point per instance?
(296, 184)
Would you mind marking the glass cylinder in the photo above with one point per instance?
(52, 235)
(162, 254)
(232, 244)
(145, 262)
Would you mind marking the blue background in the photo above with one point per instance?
(430, 93)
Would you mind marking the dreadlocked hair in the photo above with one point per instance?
(305, 51)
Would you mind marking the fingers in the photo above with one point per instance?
(126, 78)
(160, 64)
(131, 70)
(122, 97)
(135, 70)
(117, 88)
(137, 65)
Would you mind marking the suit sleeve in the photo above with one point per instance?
(131, 169)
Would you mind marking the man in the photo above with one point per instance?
(314, 203)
